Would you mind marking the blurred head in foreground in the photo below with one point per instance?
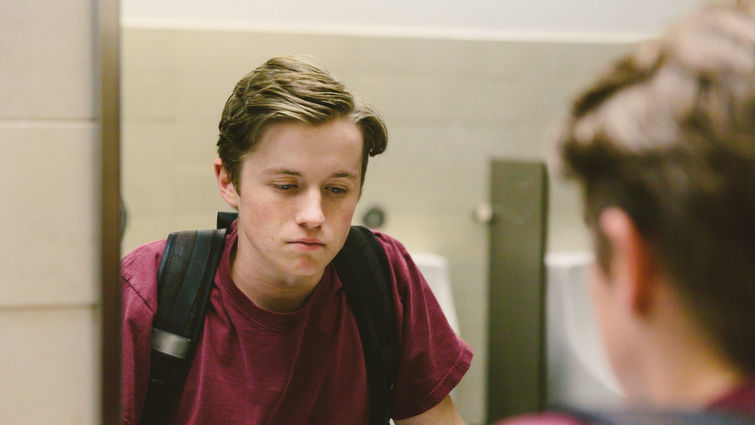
(663, 146)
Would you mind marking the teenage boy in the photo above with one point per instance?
(663, 146)
(280, 344)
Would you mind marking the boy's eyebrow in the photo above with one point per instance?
(288, 172)
(344, 174)
(273, 171)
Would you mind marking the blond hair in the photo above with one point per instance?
(290, 89)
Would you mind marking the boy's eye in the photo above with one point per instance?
(336, 190)
(284, 186)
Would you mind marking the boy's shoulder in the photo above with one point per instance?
(139, 267)
(146, 254)
(392, 246)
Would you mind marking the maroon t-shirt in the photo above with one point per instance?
(255, 366)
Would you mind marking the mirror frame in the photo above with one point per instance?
(107, 89)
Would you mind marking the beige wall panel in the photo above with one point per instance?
(150, 155)
(160, 92)
(196, 143)
(46, 59)
(198, 188)
(47, 178)
(152, 57)
(151, 227)
(49, 369)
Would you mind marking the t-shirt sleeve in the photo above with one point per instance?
(433, 358)
(138, 303)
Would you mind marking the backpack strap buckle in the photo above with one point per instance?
(170, 344)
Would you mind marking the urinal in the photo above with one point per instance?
(578, 370)
(435, 270)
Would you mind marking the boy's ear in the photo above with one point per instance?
(226, 186)
(631, 265)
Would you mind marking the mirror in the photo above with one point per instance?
(458, 84)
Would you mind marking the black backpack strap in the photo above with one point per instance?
(225, 219)
(184, 281)
(659, 417)
(363, 269)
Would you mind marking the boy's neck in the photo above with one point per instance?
(276, 294)
(693, 382)
(683, 365)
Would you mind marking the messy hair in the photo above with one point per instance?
(290, 89)
(668, 136)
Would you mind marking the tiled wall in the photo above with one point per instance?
(49, 353)
(450, 107)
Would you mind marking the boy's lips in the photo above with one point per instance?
(308, 242)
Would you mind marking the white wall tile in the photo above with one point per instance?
(46, 59)
(49, 367)
(48, 182)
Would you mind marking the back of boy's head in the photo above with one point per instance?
(290, 89)
(668, 135)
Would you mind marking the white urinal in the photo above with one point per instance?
(578, 371)
(435, 270)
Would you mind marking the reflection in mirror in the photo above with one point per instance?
(453, 99)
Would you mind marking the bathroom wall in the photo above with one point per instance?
(450, 105)
(49, 213)
(489, 19)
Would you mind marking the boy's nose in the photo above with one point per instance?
(310, 213)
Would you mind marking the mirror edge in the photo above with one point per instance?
(107, 86)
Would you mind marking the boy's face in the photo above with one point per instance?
(298, 191)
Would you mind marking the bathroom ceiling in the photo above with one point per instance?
(589, 20)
